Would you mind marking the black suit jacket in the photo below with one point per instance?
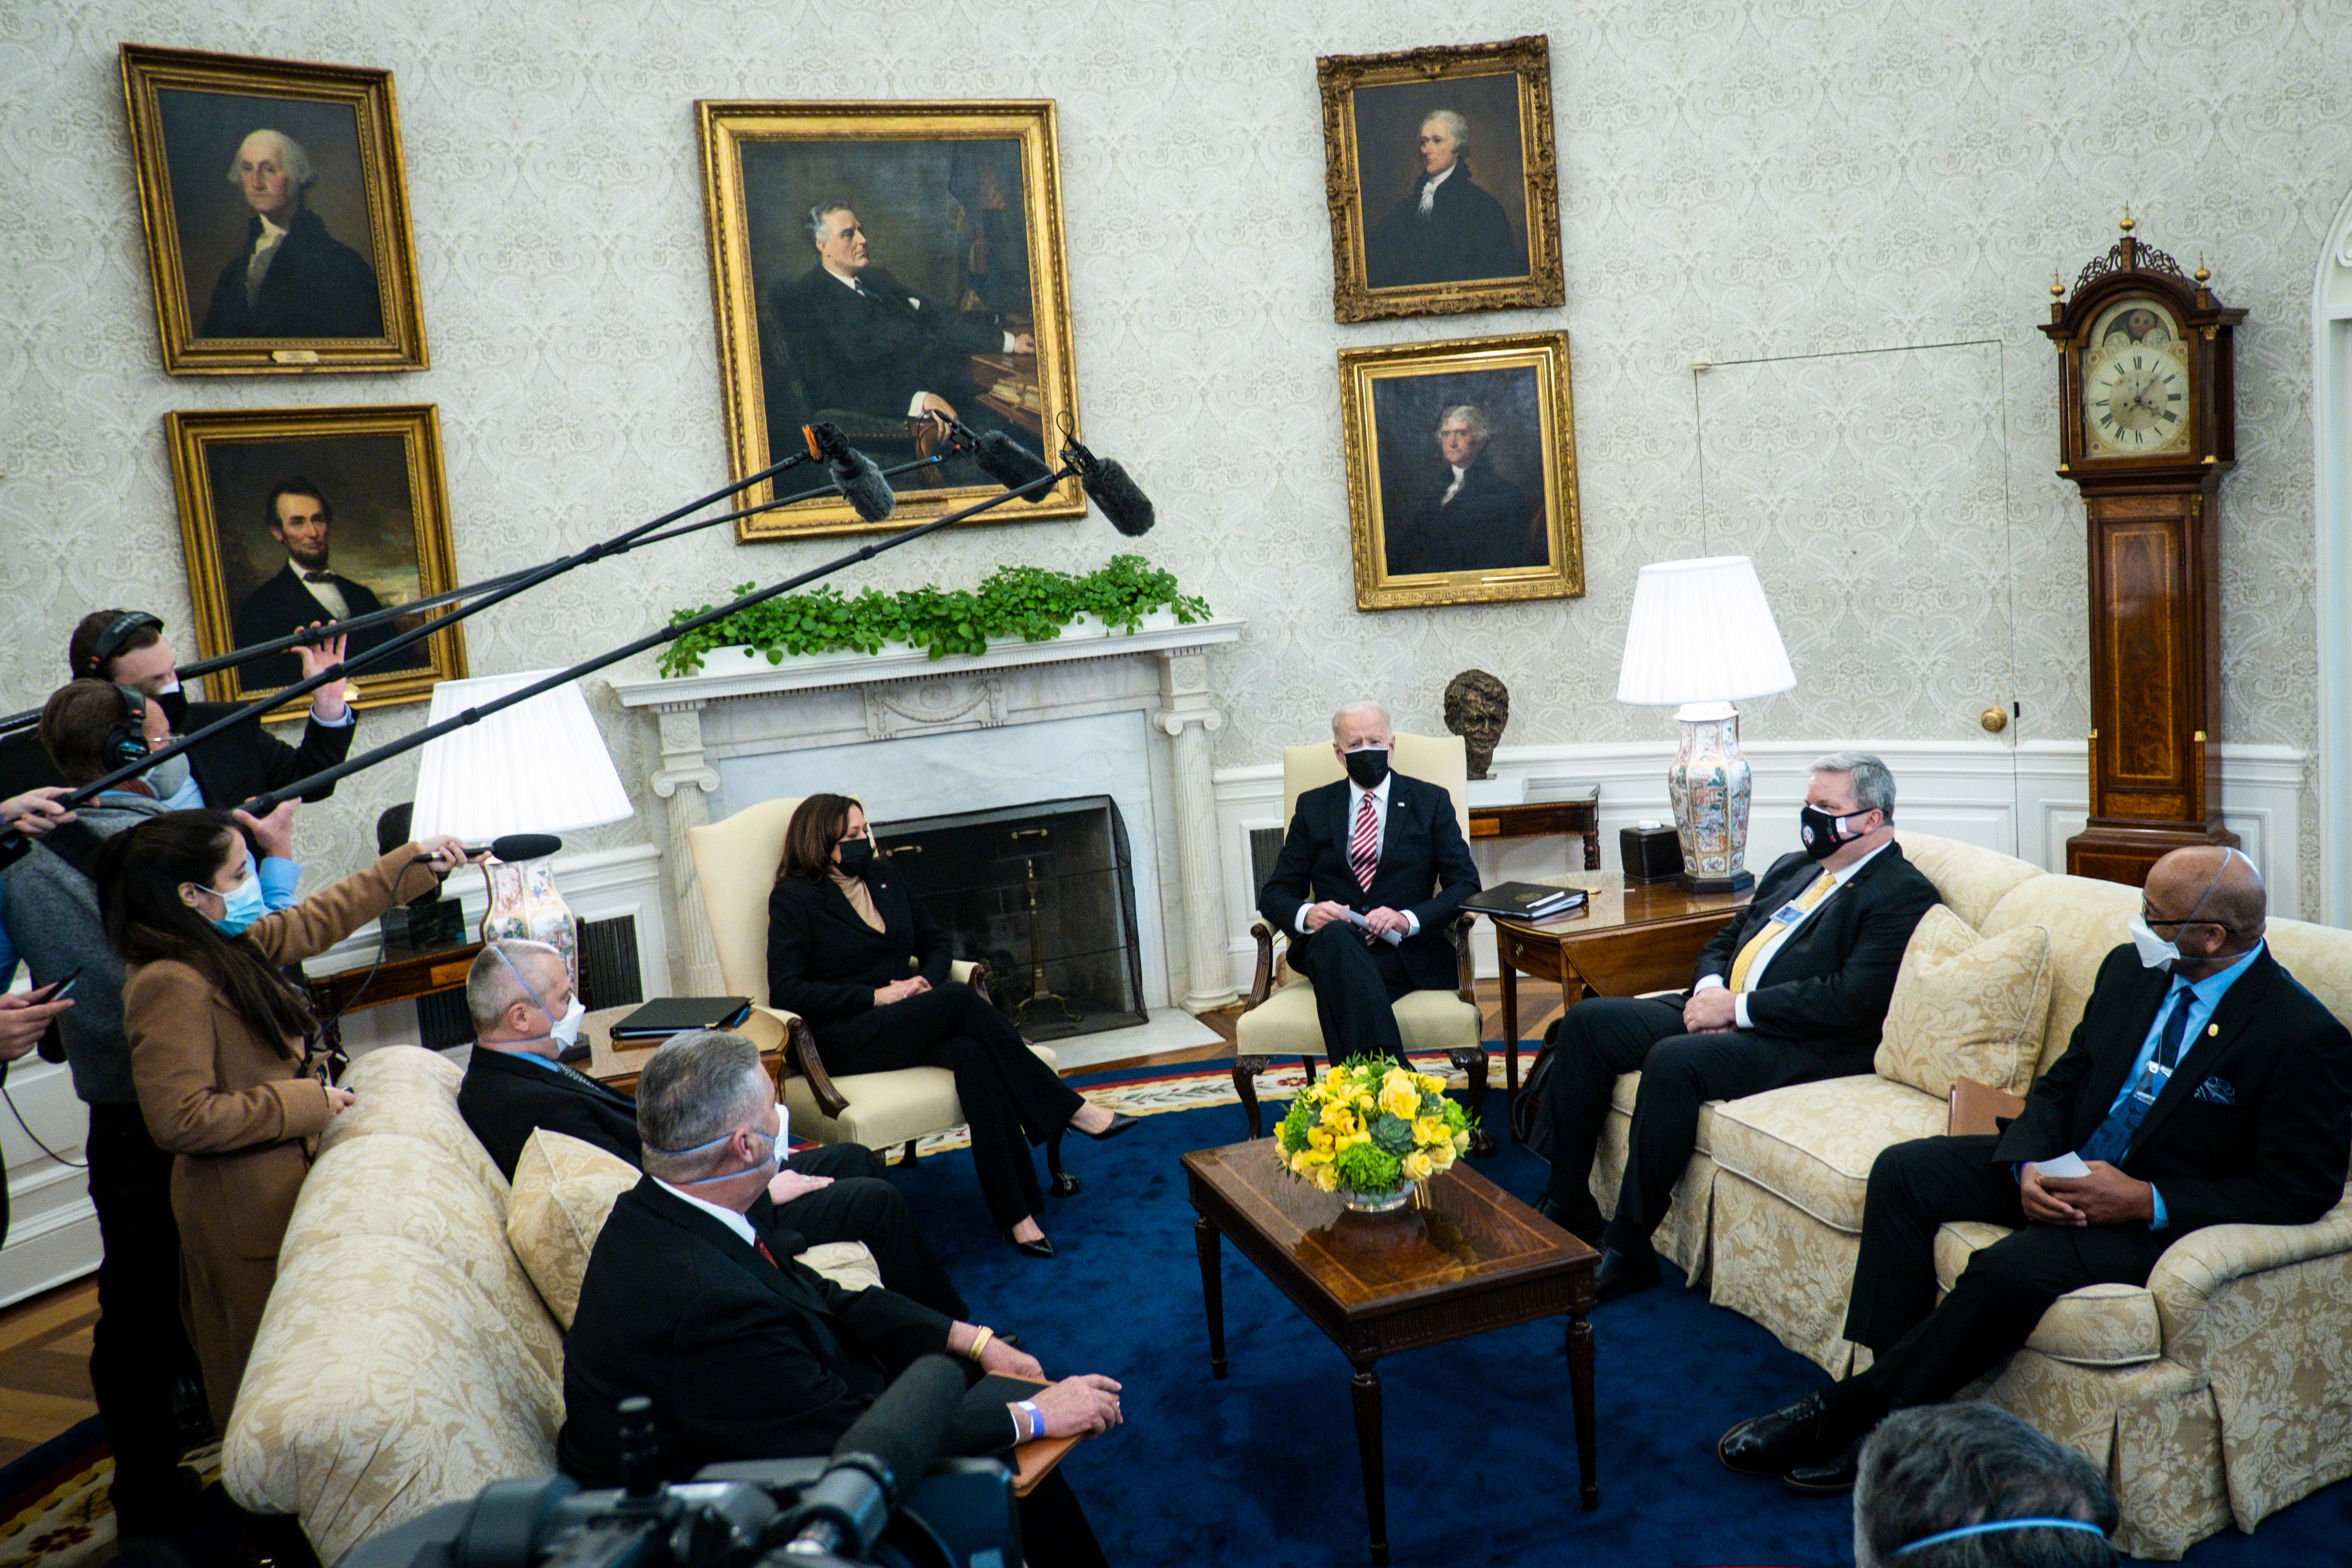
(1425, 869)
(1827, 989)
(505, 1101)
(872, 352)
(282, 605)
(2255, 1127)
(824, 963)
(231, 768)
(317, 287)
(742, 1359)
(1467, 235)
(1489, 524)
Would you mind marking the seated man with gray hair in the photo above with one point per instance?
(524, 1012)
(1387, 849)
(747, 1354)
(1971, 1486)
(1793, 991)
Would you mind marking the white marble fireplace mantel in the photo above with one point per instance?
(728, 731)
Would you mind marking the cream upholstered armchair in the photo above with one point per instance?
(1279, 1018)
(735, 863)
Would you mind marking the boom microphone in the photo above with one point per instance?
(1108, 485)
(1009, 462)
(877, 1460)
(853, 473)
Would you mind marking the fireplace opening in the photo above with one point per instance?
(1044, 894)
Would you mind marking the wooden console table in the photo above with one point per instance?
(1537, 819)
(403, 976)
(1625, 941)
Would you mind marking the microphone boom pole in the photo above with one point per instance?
(261, 805)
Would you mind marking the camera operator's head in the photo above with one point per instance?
(1970, 1486)
(707, 1119)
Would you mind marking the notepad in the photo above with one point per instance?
(2066, 1166)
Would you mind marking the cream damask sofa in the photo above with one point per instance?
(2222, 1391)
(408, 1356)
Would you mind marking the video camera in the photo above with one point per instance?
(883, 1499)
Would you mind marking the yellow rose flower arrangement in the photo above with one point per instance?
(1369, 1128)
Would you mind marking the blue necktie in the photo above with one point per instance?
(2114, 1135)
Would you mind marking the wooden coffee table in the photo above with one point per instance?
(1625, 941)
(1471, 1259)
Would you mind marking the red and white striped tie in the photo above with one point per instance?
(1364, 849)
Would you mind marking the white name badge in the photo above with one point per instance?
(1786, 915)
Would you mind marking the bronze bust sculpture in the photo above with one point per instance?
(1477, 707)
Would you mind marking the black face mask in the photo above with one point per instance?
(1820, 832)
(174, 703)
(1368, 766)
(857, 854)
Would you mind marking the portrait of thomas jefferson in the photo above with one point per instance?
(292, 277)
(1472, 518)
(1445, 228)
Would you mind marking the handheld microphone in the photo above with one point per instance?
(876, 1462)
(853, 473)
(1108, 485)
(513, 848)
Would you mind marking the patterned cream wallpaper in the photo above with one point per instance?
(1806, 185)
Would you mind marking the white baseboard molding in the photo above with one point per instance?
(2023, 801)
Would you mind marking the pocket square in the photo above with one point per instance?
(2217, 1090)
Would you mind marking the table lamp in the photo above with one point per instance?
(1702, 637)
(539, 767)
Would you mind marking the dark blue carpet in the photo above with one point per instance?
(1480, 1446)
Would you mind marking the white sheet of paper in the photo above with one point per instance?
(2068, 1165)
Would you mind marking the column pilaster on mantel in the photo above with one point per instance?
(685, 779)
(1188, 719)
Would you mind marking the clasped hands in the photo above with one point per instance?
(1711, 1011)
(1083, 1406)
(899, 990)
(2104, 1196)
(1379, 922)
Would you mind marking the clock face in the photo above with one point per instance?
(2135, 400)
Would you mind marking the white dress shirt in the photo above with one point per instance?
(1356, 793)
(265, 251)
(1429, 187)
(1453, 489)
(329, 596)
(1779, 939)
(914, 405)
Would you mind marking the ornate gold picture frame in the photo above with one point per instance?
(277, 215)
(292, 516)
(1441, 178)
(1461, 472)
(869, 261)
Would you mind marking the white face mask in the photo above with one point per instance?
(566, 1032)
(2155, 952)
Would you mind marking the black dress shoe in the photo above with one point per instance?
(1831, 1477)
(1795, 1435)
(1040, 1248)
(1120, 1122)
(1622, 1273)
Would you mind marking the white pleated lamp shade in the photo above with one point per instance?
(1701, 632)
(539, 767)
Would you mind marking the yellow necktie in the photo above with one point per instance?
(1773, 928)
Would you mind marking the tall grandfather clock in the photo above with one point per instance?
(2147, 427)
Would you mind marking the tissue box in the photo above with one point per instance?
(1650, 854)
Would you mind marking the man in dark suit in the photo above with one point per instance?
(524, 1012)
(1388, 849)
(128, 646)
(1445, 229)
(306, 592)
(1794, 990)
(862, 340)
(693, 1300)
(1475, 521)
(292, 279)
(2203, 1086)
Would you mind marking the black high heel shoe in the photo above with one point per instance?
(1040, 1248)
(1120, 1122)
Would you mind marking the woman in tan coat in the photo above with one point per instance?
(221, 1049)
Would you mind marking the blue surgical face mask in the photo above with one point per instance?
(244, 904)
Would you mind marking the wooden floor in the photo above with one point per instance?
(44, 1366)
(45, 1341)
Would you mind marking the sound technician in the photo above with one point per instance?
(129, 646)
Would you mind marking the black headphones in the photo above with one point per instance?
(127, 743)
(118, 630)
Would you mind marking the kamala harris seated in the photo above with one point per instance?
(852, 951)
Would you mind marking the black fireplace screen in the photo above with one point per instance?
(1045, 895)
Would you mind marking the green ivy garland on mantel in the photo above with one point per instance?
(1025, 601)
